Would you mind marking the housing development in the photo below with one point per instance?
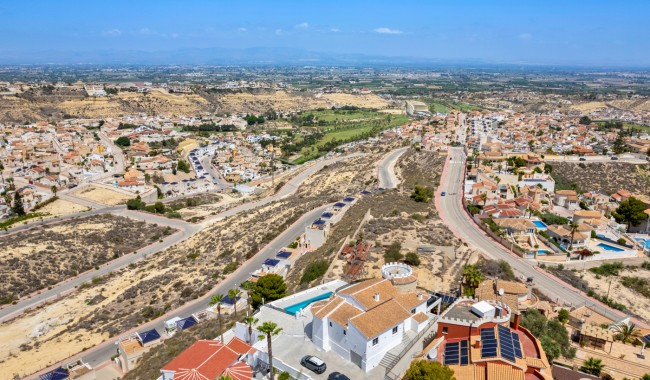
(171, 210)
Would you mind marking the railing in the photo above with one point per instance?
(389, 370)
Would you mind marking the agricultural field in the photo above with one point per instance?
(44, 256)
(444, 106)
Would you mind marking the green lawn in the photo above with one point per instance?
(443, 106)
(627, 125)
(332, 116)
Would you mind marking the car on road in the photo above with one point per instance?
(337, 376)
(443, 194)
(614, 158)
(583, 159)
(313, 363)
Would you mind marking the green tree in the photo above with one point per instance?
(123, 141)
(135, 203)
(250, 321)
(563, 316)
(574, 228)
(159, 207)
(473, 277)
(428, 370)
(551, 333)
(631, 212)
(627, 333)
(585, 120)
(393, 253)
(234, 293)
(412, 259)
(217, 300)
(54, 189)
(268, 288)
(269, 329)
(422, 194)
(18, 208)
(619, 146)
(183, 166)
(592, 366)
(248, 288)
(646, 376)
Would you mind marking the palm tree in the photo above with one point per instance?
(2, 177)
(472, 277)
(54, 189)
(269, 329)
(627, 333)
(250, 321)
(592, 366)
(217, 299)
(574, 228)
(234, 293)
(484, 198)
(248, 287)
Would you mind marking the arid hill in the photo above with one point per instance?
(604, 176)
(49, 103)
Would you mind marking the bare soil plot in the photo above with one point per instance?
(42, 257)
(102, 195)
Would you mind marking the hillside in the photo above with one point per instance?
(602, 176)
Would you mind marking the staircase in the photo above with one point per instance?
(392, 357)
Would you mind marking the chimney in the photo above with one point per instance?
(376, 297)
(478, 343)
(419, 296)
(515, 324)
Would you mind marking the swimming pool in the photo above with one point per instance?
(646, 241)
(539, 224)
(608, 247)
(293, 309)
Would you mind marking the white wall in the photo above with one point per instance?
(372, 355)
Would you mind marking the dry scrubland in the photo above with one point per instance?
(597, 176)
(625, 104)
(44, 256)
(397, 218)
(103, 195)
(168, 279)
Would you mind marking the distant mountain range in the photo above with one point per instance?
(272, 56)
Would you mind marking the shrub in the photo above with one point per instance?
(393, 253)
(422, 194)
(314, 270)
(231, 267)
(412, 259)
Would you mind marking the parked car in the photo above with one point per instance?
(337, 376)
(583, 159)
(313, 363)
(443, 194)
(614, 158)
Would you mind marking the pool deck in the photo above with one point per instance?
(305, 295)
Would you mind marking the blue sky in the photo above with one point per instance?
(544, 32)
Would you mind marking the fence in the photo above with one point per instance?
(499, 239)
(389, 370)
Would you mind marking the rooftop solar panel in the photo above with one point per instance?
(517, 345)
(646, 338)
(452, 353)
(271, 262)
(57, 374)
(283, 254)
(148, 336)
(186, 322)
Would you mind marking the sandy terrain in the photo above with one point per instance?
(363, 101)
(637, 303)
(261, 102)
(102, 195)
(62, 207)
(589, 106)
(206, 210)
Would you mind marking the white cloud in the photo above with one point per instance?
(525, 36)
(335, 30)
(144, 31)
(387, 31)
(242, 29)
(278, 32)
(302, 25)
(112, 33)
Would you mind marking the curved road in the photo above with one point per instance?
(453, 214)
(105, 350)
(386, 169)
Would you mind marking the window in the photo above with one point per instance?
(445, 330)
(375, 341)
(330, 324)
(413, 311)
(394, 330)
(345, 332)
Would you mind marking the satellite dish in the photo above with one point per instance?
(500, 291)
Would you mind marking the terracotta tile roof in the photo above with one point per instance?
(343, 313)
(238, 371)
(420, 317)
(320, 311)
(410, 300)
(205, 359)
(380, 318)
(504, 372)
(534, 362)
(130, 346)
(365, 294)
(512, 287)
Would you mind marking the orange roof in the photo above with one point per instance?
(380, 318)
(206, 359)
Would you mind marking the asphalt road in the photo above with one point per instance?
(105, 350)
(386, 169)
(576, 159)
(457, 219)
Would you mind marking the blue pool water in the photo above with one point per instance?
(647, 242)
(608, 247)
(293, 309)
(539, 224)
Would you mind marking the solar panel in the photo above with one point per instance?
(506, 344)
(464, 354)
(646, 338)
(452, 354)
(517, 345)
